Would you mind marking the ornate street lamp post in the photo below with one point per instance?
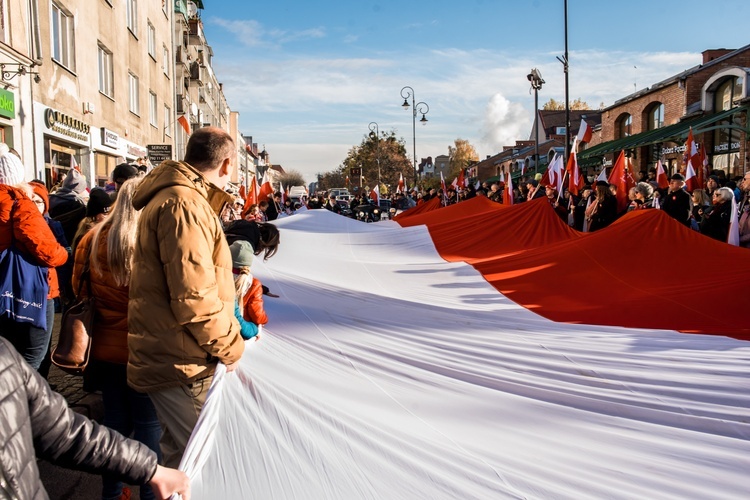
(535, 77)
(374, 130)
(417, 107)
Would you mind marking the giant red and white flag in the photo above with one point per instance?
(584, 133)
(618, 177)
(661, 176)
(375, 194)
(401, 185)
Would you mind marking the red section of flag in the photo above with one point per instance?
(693, 164)
(400, 188)
(461, 179)
(266, 189)
(375, 195)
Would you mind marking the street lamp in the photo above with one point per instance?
(535, 77)
(418, 107)
(374, 130)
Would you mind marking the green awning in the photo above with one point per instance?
(672, 133)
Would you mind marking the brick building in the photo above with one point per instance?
(711, 98)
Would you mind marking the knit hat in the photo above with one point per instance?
(99, 203)
(75, 181)
(123, 172)
(41, 191)
(12, 171)
(242, 253)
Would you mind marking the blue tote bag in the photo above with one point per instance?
(23, 288)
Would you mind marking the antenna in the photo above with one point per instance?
(635, 87)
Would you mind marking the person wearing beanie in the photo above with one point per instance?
(68, 204)
(23, 226)
(120, 174)
(12, 171)
(97, 210)
(248, 305)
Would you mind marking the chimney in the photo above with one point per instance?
(711, 54)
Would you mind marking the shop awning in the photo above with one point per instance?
(672, 133)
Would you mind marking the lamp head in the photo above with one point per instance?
(405, 105)
(423, 121)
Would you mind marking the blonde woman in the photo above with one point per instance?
(107, 251)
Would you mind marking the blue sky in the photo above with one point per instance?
(308, 77)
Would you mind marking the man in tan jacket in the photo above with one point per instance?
(181, 311)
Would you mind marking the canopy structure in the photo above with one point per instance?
(390, 371)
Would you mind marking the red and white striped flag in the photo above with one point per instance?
(575, 180)
(508, 192)
(375, 195)
(401, 185)
(584, 133)
(733, 238)
(693, 164)
(661, 176)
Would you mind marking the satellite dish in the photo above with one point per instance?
(193, 109)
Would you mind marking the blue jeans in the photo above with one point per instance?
(31, 342)
(128, 412)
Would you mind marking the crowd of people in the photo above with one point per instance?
(174, 296)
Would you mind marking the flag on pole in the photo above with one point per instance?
(442, 183)
(266, 189)
(575, 180)
(375, 195)
(661, 176)
(283, 193)
(584, 133)
(553, 176)
(733, 238)
(184, 123)
(618, 178)
(455, 183)
(243, 191)
(693, 164)
(74, 163)
(602, 176)
(478, 185)
(691, 180)
(401, 184)
(462, 181)
(703, 176)
(508, 192)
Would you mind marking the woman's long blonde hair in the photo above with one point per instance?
(123, 224)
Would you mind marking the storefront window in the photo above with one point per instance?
(58, 159)
(105, 164)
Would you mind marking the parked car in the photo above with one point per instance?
(345, 210)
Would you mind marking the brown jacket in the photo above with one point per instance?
(181, 309)
(110, 339)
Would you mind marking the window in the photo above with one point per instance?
(152, 109)
(165, 61)
(131, 7)
(63, 47)
(133, 94)
(726, 94)
(656, 117)
(106, 75)
(151, 40)
(167, 121)
(623, 126)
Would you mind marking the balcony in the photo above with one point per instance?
(182, 107)
(195, 32)
(197, 74)
(181, 57)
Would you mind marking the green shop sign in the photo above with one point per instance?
(7, 104)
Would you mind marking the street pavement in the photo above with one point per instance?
(66, 484)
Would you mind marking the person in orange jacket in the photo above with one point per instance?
(22, 225)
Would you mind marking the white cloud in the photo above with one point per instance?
(505, 122)
(252, 34)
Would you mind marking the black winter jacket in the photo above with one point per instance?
(35, 421)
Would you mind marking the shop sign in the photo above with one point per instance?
(66, 125)
(7, 104)
(110, 139)
(158, 153)
(674, 149)
(137, 151)
(724, 148)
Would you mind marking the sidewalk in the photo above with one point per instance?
(66, 484)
